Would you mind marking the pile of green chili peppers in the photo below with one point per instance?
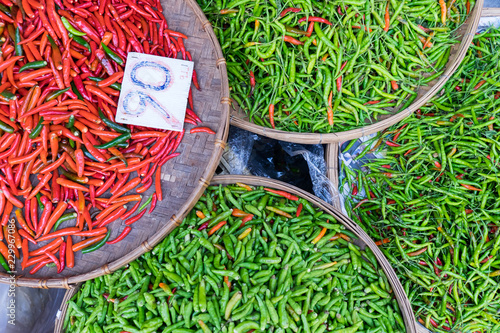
(433, 201)
(361, 60)
(244, 261)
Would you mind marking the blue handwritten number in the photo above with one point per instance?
(137, 81)
(136, 101)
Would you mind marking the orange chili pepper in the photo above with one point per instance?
(330, 109)
(22, 222)
(59, 233)
(271, 115)
(387, 17)
(320, 235)
(442, 4)
(245, 186)
(56, 214)
(72, 185)
(383, 241)
(87, 242)
(216, 227)
(470, 187)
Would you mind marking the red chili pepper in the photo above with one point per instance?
(247, 218)
(359, 204)
(392, 144)
(283, 194)
(291, 40)
(288, 10)
(154, 200)
(122, 235)
(201, 130)
(252, 82)
(131, 211)
(299, 210)
(53, 258)
(10, 197)
(113, 216)
(203, 226)
(315, 19)
(135, 218)
(62, 257)
(354, 189)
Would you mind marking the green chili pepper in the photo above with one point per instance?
(97, 245)
(70, 28)
(115, 57)
(17, 41)
(114, 126)
(33, 65)
(37, 130)
(121, 139)
(55, 94)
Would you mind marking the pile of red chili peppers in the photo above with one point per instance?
(61, 66)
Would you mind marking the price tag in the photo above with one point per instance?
(154, 91)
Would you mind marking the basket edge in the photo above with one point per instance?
(332, 171)
(61, 312)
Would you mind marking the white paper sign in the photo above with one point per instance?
(154, 91)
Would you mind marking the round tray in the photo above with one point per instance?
(465, 35)
(362, 241)
(184, 178)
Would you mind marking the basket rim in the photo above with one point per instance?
(239, 118)
(402, 299)
(220, 140)
(331, 160)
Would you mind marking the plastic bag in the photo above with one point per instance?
(486, 22)
(301, 165)
(314, 155)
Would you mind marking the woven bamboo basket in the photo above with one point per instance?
(184, 178)
(363, 241)
(465, 35)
